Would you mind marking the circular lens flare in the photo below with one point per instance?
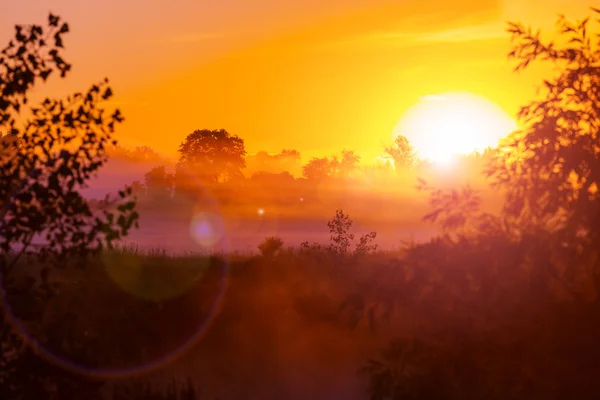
(207, 229)
(89, 323)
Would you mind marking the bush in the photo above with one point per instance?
(270, 246)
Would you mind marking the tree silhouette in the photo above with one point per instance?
(212, 155)
(348, 162)
(145, 153)
(317, 169)
(137, 188)
(551, 167)
(287, 160)
(54, 154)
(44, 161)
(159, 183)
(401, 152)
(289, 154)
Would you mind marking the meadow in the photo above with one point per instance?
(320, 321)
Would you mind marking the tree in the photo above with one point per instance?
(348, 162)
(317, 169)
(159, 183)
(137, 188)
(290, 154)
(45, 160)
(55, 153)
(551, 167)
(401, 152)
(214, 155)
(289, 160)
(286, 160)
(145, 153)
(339, 228)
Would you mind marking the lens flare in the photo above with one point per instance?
(207, 229)
(154, 276)
(108, 320)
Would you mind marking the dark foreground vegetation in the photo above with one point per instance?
(498, 306)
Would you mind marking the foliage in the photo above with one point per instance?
(339, 227)
(137, 154)
(288, 160)
(457, 211)
(270, 246)
(57, 151)
(211, 155)
(365, 244)
(348, 163)
(137, 188)
(317, 169)
(159, 183)
(341, 238)
(45, 159)
(401, 152)
(550, 168)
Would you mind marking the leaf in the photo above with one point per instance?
(58, 43)
(53, 20)
(107, 94)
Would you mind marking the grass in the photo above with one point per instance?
(327, 314)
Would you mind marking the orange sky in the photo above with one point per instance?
(313, 75)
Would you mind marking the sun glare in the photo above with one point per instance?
(442, 126)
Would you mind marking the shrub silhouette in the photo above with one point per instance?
(270, 246)
(365, 244)
(339, 228)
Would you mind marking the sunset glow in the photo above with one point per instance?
(445, 125)
(345, 199)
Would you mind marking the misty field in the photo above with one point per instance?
(300, 323)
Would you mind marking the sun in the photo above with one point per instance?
(444, 125)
